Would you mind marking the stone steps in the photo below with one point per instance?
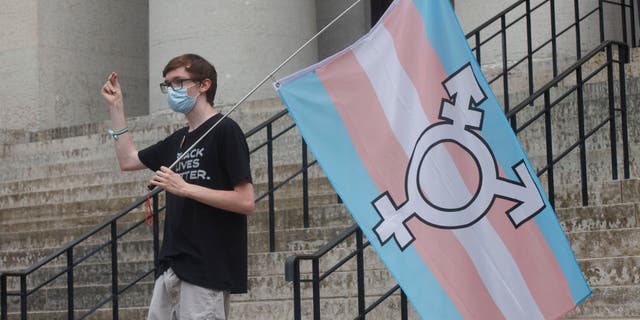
(258, 241)
(97, 270)
(332, 308)
(120, 189)
(53, 296)
(598, 165)
(135, 186)
(144, 128)
(318, 215)
(102, 175)
(286, 150)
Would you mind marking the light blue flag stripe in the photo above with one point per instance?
(323, 130)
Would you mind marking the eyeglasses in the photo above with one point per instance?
(174, 84)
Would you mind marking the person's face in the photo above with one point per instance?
(180, 76)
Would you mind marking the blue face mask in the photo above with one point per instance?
(180, 101)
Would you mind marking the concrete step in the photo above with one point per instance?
(328, 215)
(248, 116)
(145, 130)
(53, 296)
(615, 302)
(116, 190)
(82, 208)
(332, 308)
(598, 166)
(120, 188)
(90, 161)
(97, 270)
(103, 175)
(600, 193)
(285, 147)
(289, 240)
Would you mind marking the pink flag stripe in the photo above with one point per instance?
(341, 79)
(417, 56)
(358, 106)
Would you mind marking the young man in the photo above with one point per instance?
(209, 194)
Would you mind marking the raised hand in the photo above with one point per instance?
(111, 90)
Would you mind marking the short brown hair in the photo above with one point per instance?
(199, 68)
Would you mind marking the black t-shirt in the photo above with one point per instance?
(205, 246)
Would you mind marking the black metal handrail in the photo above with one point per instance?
(549, 104)
(477, 39)
(117, 288)
(68, 252)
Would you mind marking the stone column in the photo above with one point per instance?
(244, 40)
(55, 56)
(19, 64)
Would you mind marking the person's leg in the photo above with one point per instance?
(198, 303)
(165, 298)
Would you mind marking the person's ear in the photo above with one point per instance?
(205, 85)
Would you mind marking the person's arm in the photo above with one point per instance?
(126, 151)
(239, 200)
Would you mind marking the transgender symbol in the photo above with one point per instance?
(460, 120)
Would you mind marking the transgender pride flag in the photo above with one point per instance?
(407, 129)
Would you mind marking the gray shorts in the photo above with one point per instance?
(174, 299)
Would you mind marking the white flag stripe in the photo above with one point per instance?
(401, 105)
(505, 283)
(398, 98)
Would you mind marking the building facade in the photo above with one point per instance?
(55, 55)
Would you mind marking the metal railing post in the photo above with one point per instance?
(549, 146)
(622, 58)
(272, 224)
(633, 23)
(623, 17)
(601, 19)
(554, 42)
(3, 297)
(505, 74)
(404, 309)
(612, 115)
(580, 97)
(297, 303)
(360, 272)
(156, 236)
(114, 270)
(529, 46)
(478, 53)
(315, 266)
(305, 185)
(576, 11)
(638, 8)
(23, 296)
(70, 293)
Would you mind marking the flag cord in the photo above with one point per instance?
(269, 76)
